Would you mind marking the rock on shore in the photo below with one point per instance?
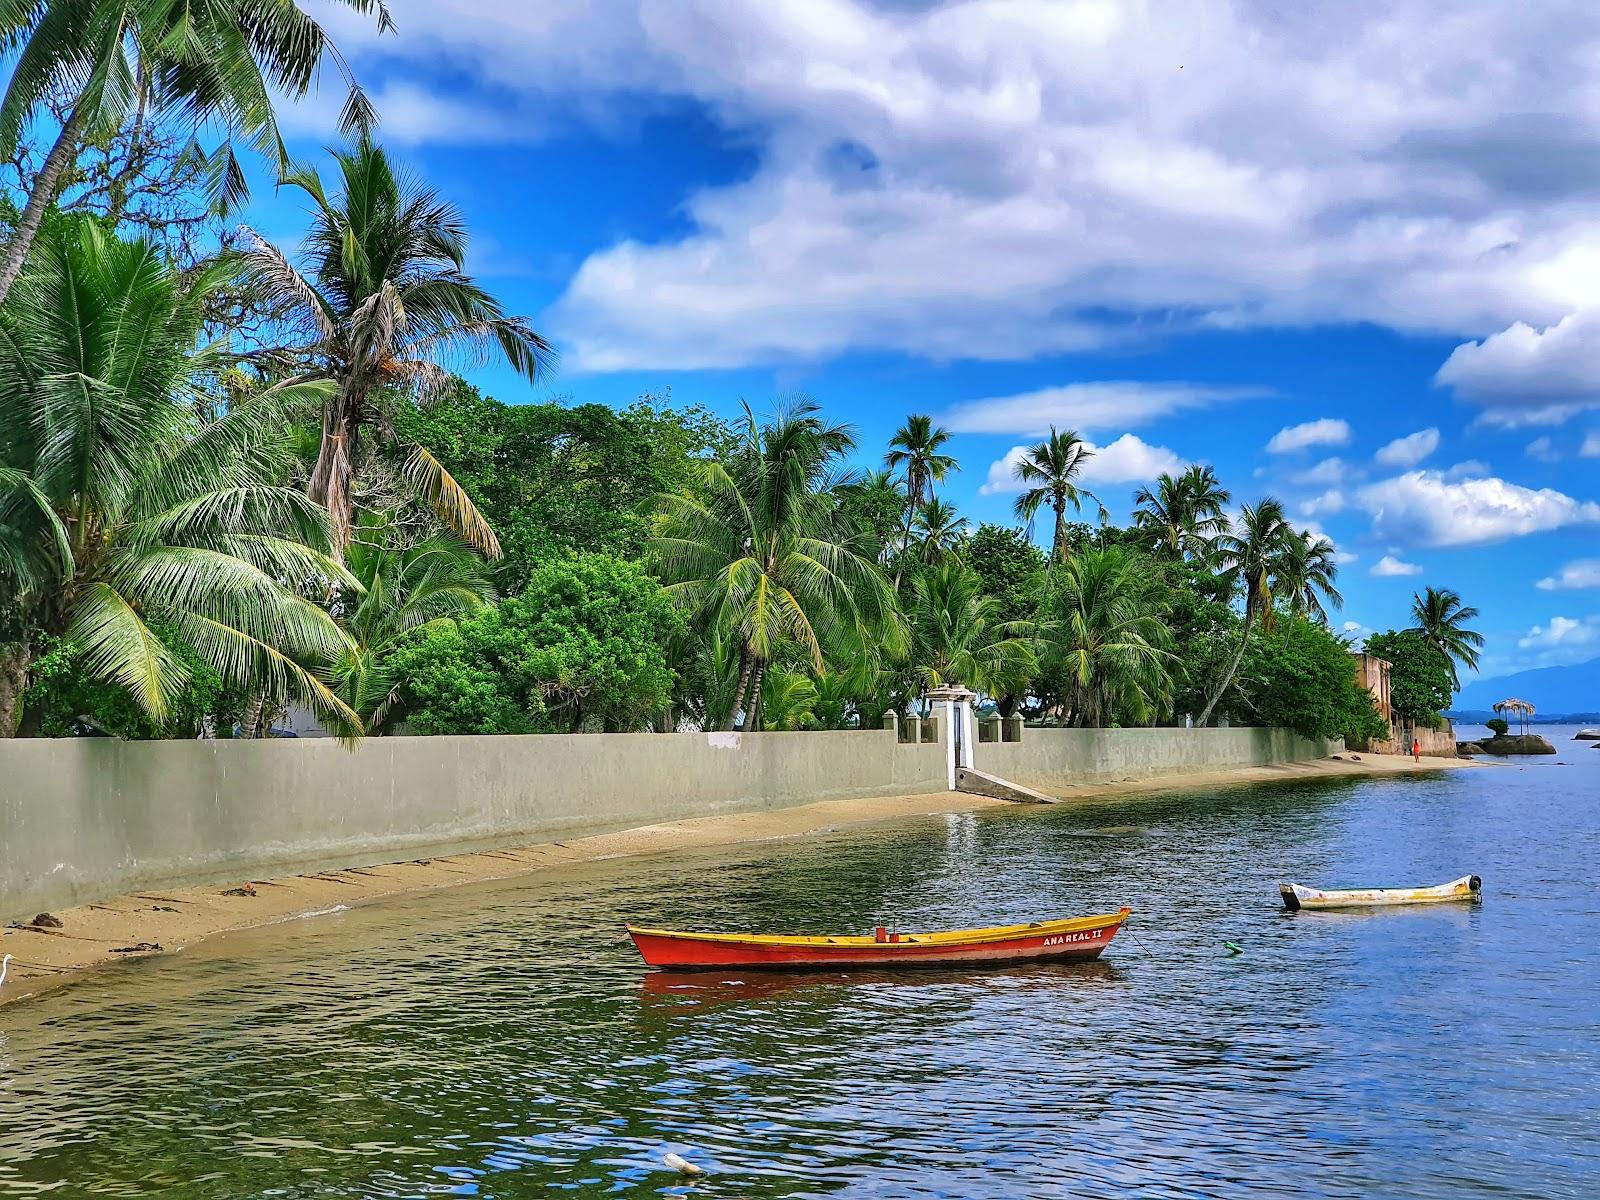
(1463, 749)
(1515, 743)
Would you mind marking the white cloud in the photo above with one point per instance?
(1528, 376)
(1329, 431)
(1590, 447)
(1425, 508)
(1543, 448)
(1129, 459)
(1408, 451)
(997, 179)
(1561, 640)
(1329, 503)
(1389, 566)
(1086, 406)
(1577, 574)
(1329, 470)
(1471, 469)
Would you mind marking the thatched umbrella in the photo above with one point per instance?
(1522, 708)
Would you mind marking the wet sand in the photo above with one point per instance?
(164, 921)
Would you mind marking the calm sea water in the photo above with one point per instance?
(503, 1041)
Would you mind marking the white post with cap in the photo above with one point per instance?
(957, 703)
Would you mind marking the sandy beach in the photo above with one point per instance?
(165, 921)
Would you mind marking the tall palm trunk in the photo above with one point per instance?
(330, 478)
(1233, 667)
(1058, 549)
(15, 658)
(746, 665)
(45, 187)
(753, 725)
(905, 534)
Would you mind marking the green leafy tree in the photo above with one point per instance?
(1049, 474)
(387, 299)
(1498, 726)
(1305, 572)
(1441, 618)
(1300, 677)
(958, 636)
(1250, 555)
(757, 553)
(117, 509)
(1183, 513)
(938, 530)
(1106, 651)
(438, 580)
(1011, 567)
(917, 451)
(215, 63)
(585, 645)
(1420, 687)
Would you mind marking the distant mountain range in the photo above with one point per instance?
(1571, 691)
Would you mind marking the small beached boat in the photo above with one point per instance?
(1077, 940)
(1295, 897)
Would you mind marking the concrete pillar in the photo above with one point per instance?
(1013, 728)
(930, 727)
(989, 728)
(961, 732)
(914, 731)
(891, 722)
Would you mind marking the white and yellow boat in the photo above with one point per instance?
(1295, 897)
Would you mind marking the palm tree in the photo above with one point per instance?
(917, 449)
(117, 508)
(211, 63)
(1049, 473)
(959, 637)
(1106, 641)
(438, 580)
(939, 530)
(386, 298)
(755, 552)
(1184, 512)
(1251, 553)
(1441, 617)
(1306, 572)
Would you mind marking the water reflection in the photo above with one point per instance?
(503, 1040)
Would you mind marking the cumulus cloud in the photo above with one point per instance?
(1086, 406)
(1426, 508)
(1326, 504)
(1389, 566)
(1328, 431)
(1562, 640)
(1408, 451)
(1129, 459)
(1002, 180)
(1573, 576)
(1590, 447)
(1528, 376)
(1329, 470)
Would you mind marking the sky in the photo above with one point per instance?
(1349, 255)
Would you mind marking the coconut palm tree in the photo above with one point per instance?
(440, 579)
(1104, 640)
(916, 449)
(1441, 617)
(386, 299)
(939, 530)
(213, 63)
(117, 508)
(1183, 512)
(1306, 571)
(959, 637)
(1049, 473)
(756, 553)
(1251, 553)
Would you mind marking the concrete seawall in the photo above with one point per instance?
(84, 819)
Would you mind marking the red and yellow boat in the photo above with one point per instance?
(1079, 939)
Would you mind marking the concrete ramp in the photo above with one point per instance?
(981, 783)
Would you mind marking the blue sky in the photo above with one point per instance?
(1348, 259)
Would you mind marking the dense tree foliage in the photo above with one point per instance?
(1420, 683)
(1300, 676)
(584, 644)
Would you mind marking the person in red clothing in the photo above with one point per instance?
(1416, 749)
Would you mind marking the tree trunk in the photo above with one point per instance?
(753, 725)
(15, 658)
(905, 541)
(746, 664)
(1058, 549)
(45, 186)
(330, 478)
(1233, 667)
(250, 722)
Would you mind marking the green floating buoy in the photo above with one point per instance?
(1233, 948)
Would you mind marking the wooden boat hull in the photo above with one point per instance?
(1295, 897)
(1078, 940)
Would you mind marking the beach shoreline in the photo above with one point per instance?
(166, 921)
